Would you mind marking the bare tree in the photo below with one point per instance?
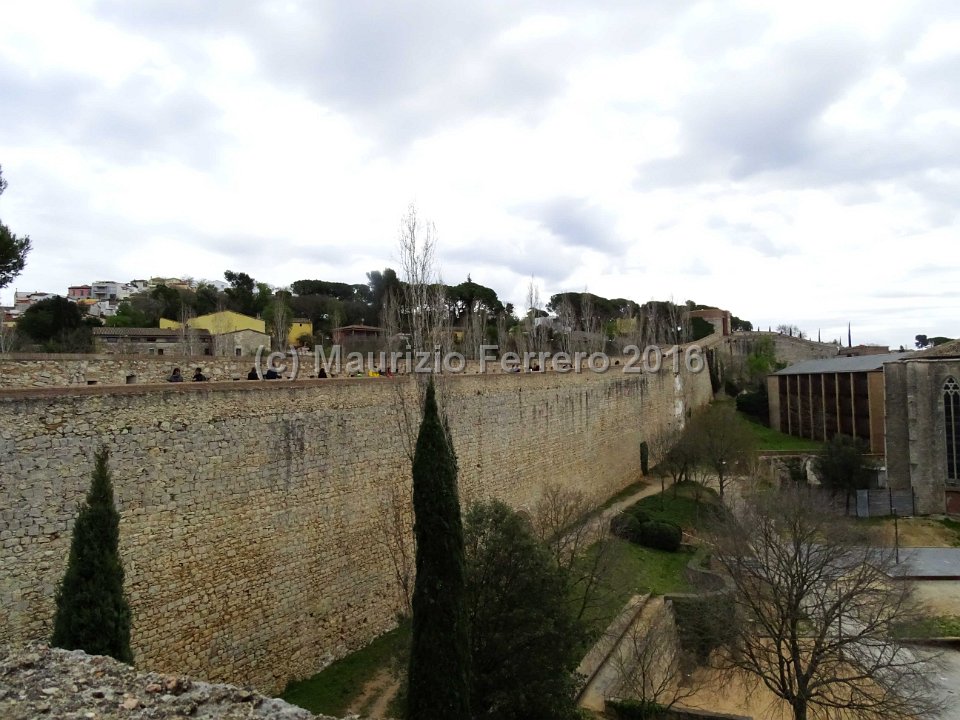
(187, 335)
(818, 612)
(651, 662)
(678, 456)
(394, 523)
(578, 542)
(534, 335)
(416, 319)
(723, 440)
(280, 318)
(593, 338)
(8, 337)
(566, 324)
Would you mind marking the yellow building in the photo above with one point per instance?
(299, 327)
(219, 323)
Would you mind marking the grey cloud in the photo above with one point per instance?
(122, 125)
(743, 234)
(531, 258)
(761, 118)
(405, 70)
(576, 222)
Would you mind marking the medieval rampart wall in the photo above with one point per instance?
(251, 513)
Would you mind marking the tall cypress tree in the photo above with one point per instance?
(438, 676)
(92, 612)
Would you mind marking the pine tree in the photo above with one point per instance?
(438, 675)
(92, 612)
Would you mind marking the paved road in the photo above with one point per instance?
(933, 563)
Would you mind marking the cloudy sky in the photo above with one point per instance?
(792, 162)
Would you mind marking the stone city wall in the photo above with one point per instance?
(22, 370)
(35, 370)
(250, 511)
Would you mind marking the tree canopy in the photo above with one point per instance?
(92, 612)
(13, 249)
(439, 671)
(525, 640)
(815, 612)
(57, 325)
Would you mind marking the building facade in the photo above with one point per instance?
(819, 399)
(923, 427)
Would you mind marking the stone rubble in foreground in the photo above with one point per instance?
(37, 681)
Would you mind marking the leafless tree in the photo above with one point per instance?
(650, 660)
(417, 320)
(533, 334)
(578, 542)
(393, 530)
(818, 612)
(723, 441)
(676, 454)
(593, 339)
(7, 338)
(280, 318)
(566, 324)
(187, 335)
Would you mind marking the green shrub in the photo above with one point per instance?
(638, 514)
(636, 709)
(625, 525)
(661, 535)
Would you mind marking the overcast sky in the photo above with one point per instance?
(792, 162)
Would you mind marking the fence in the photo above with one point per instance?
(875, 502)
(884, 501)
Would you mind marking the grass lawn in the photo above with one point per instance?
(634, 570)
(770, 439)
(331, 691)
(933, 627)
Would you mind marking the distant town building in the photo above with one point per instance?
(233, 333)
(720, 319)
(151, 341)
(298, 328)
(347, 333)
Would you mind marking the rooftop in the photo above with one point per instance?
(861, 363)
(946, 350)
(142, 332)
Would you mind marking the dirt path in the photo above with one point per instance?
(651, 488)
(375, 697)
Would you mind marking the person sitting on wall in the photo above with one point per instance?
(322, 373)
(252, 375)
(198, 376)
(271, 374)
(175, 376)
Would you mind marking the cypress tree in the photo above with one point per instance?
(438, 675)
(92, 612)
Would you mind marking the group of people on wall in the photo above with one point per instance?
(198, 376)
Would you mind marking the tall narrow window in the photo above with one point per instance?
(951, 418)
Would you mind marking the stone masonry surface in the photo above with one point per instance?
(37, 681)
(249, 511)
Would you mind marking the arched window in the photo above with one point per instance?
(951, 419)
